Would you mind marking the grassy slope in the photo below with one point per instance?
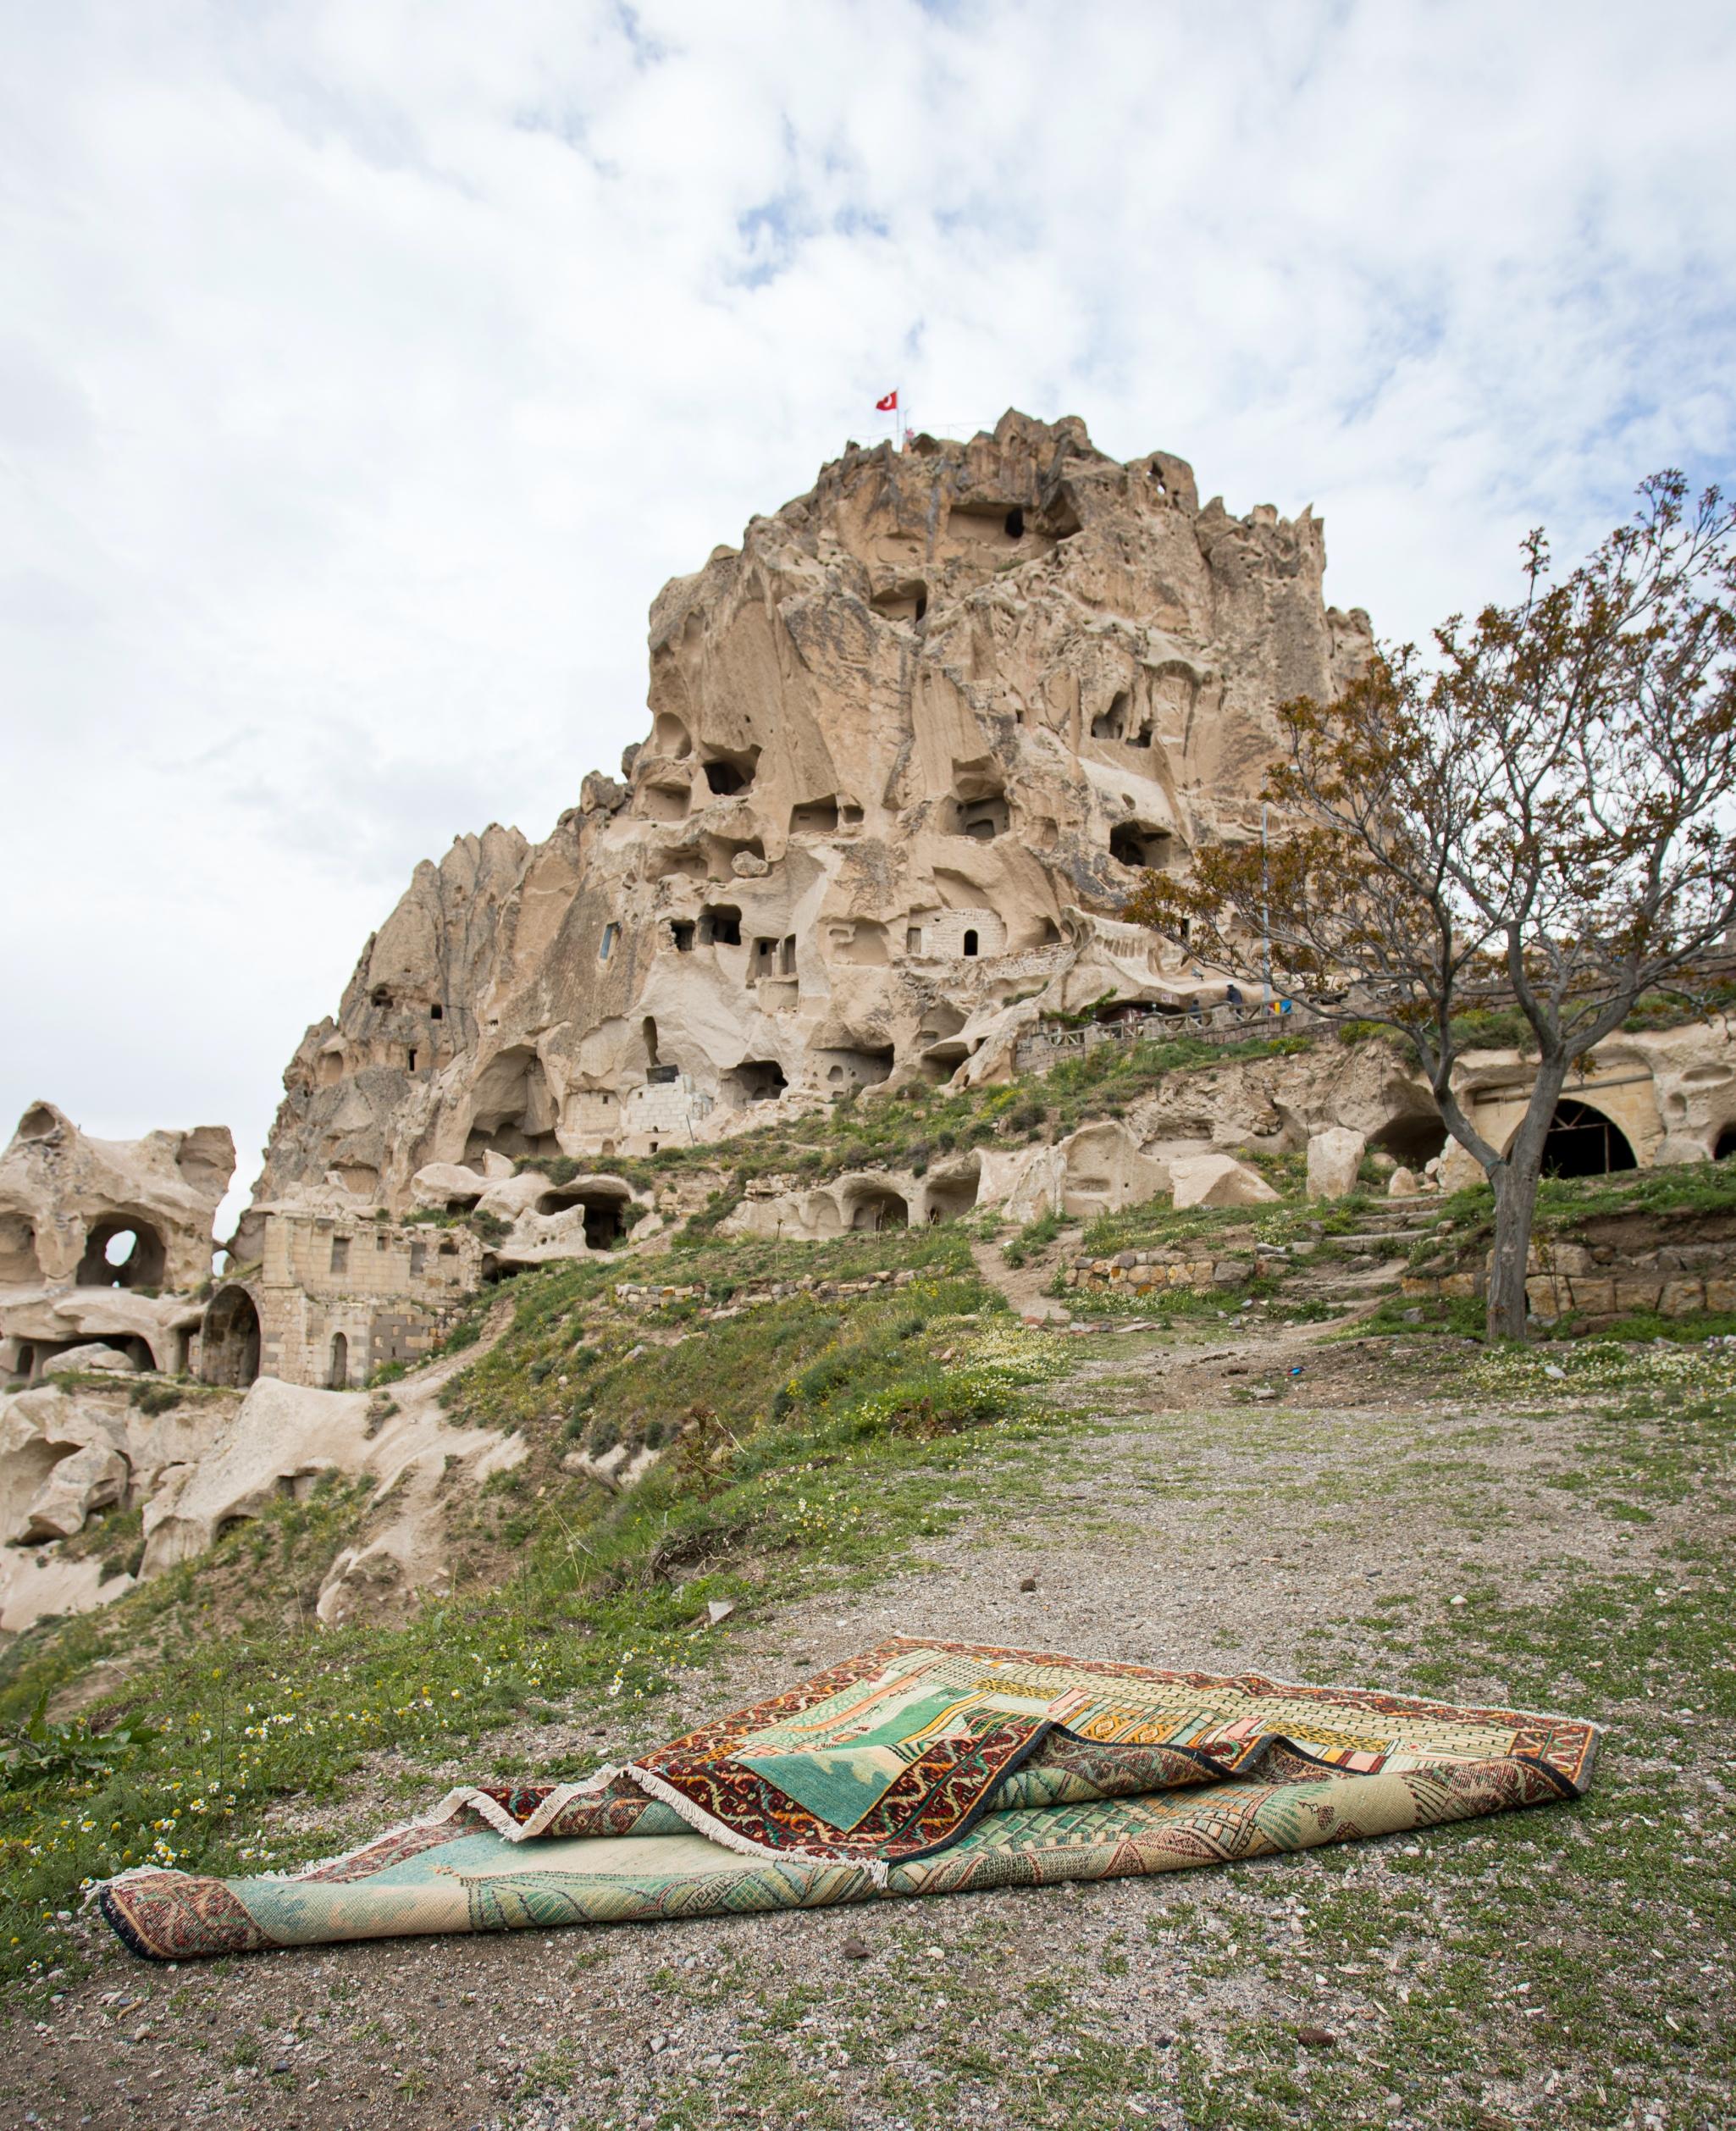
(1566, 1967)
(831, 1433)
(921, 1125)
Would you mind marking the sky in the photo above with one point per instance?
(366, 368)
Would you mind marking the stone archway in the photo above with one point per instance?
(229, 1339)
(1582, 1142)
(337, 1377)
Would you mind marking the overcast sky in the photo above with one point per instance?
(366, 368)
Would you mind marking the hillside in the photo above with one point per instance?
(908, 1456)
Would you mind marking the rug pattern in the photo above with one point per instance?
(918, 1768)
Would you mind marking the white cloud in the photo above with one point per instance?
(366, 367)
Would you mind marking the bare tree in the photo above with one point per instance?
(1540, 811)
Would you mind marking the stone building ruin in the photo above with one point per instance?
(102, 1242)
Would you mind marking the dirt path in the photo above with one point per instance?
(1023, 1286)
(1331, 1530)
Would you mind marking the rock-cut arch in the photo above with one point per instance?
(513, 1110)
(874, 1208)
(1582, 1142)
(123, 1250)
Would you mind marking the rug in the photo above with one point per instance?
(918, 1768)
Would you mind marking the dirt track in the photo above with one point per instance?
(1325, 1532)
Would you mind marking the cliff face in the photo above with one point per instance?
(909, 745)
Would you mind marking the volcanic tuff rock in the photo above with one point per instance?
(909, 745)
(67, 1200)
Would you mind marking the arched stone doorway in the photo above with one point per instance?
(1582, 1142)
(339, 1377)
(229, 1342)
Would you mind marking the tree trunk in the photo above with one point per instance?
(1515, 1203)
(1515, 1181)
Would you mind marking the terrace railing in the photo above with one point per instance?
(1210, 1025)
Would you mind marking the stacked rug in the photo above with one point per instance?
(918, 1768)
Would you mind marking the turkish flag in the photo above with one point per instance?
(886, 406)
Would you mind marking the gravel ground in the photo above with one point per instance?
(1191, 1520)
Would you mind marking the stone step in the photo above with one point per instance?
(1378, 1280)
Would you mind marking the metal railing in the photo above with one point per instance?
(1212, 1025)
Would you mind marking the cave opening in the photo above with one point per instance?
(728, 773)
(122, 1251)
(755, 1080)
(1413, 1139)
(873, 1211)
(720, 926)
(1140, 846)
(229, 1340)
(1582, 1142)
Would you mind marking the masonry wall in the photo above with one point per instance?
(388, 1290)
(1606, 1276)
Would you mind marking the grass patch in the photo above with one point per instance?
(838, 1435)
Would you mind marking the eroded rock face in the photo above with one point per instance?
(87, 1213)
(1217, 1180)
(910, 745)
(65, 1456)
(281, 1443)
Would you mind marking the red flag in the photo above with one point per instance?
(886, 406)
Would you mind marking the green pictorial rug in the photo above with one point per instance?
(918, 1768)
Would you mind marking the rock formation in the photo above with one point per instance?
(909, 745)
(102, 1240)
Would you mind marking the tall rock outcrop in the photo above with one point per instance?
(909, 745)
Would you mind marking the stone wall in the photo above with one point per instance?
(1608, 1274)
(651, 1295)
(386, 1290)
(1150, 1272)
